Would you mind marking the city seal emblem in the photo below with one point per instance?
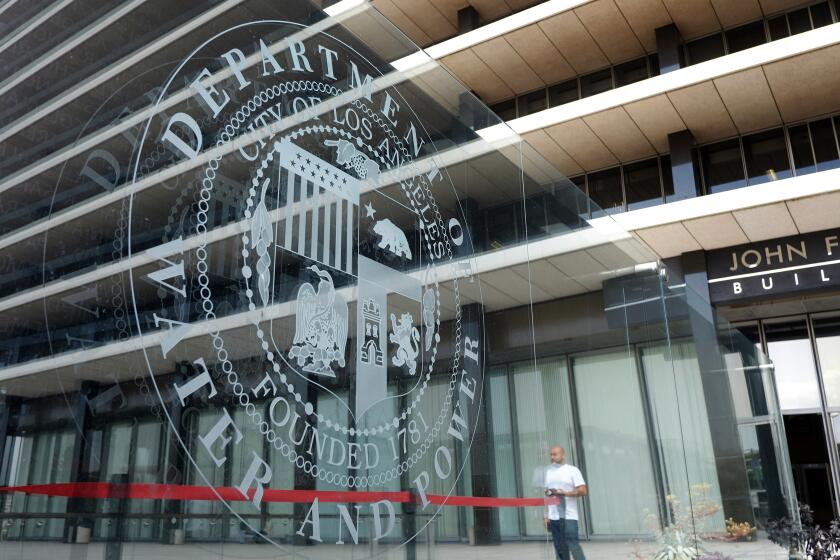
(312, 279)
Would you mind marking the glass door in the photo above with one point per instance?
(805, 359)
(826, 331)
(789, 348)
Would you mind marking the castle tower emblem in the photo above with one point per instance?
(371, 352)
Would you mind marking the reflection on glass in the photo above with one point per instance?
(705, 49)
(827, 334)
(767, 157)
(789, 349)
(745, 36)
(565, 92)
(800, 21)
(595, 83)
(42, 458)
(502, 226)
(800, 145)
(821, 15)
(762, 471)
(745, 365)
(668, 178)
(683, 434)
(535, 217)
(543, 419)
(532, 102)
(503, 447)
(206, 523)
(778, 28)
(631, 72)
(825, 144)
(506, 110)
(723, 168)
(616, 448)
(835, 427)
(605, 190)
(641, 181)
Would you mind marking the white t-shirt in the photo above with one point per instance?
(566, 478)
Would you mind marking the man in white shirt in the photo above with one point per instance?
(566, 483)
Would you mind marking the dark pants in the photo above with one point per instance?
(564, 533)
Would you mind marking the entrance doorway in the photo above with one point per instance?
(810, 462)
(805, 351)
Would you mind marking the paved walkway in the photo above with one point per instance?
(227, 551)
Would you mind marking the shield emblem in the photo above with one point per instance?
(355, 279)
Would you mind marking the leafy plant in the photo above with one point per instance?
(676, 548)
(682, 539)
(739, 531)
(806, 538)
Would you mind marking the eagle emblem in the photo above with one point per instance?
(320, 326)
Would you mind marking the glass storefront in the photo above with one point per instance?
(298, 292)
(803, 351)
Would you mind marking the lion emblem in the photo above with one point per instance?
(407, 338)
(392, 238)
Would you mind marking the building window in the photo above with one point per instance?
(800, 146)
(821, 15)
(778, 28)
(653, 62)
(766, 156)
(610, 398)
(642, 184)
(501, 226)
(532, 102)
(631, 72)
(745, 36)
(595, 83)
(723, 168)
(827, 333)
(799, 21)
(668, 177)
(705, 49)
(582, 201)
(506, 109)
(563, 93)
(789, 347)
(605, 191)
(535, 219)
(566, 207)
(825, 146)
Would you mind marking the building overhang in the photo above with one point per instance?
(779, 82)
(754, 213)
(559, 39)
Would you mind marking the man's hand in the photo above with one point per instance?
(545, 523)
(558, 492)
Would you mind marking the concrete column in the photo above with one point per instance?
(467, 19)
(686, 184)
(720, 407)
(669, 48)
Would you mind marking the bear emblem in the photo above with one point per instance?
(392, 239)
